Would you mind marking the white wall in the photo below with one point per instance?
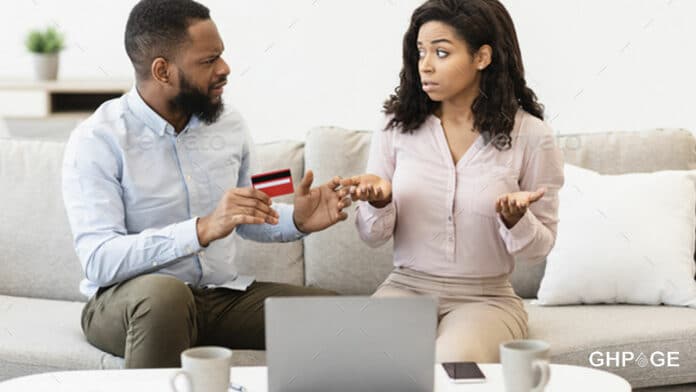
(596, 64)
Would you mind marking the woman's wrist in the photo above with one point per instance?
(381, 203)
(510, 222)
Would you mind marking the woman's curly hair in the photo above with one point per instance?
(503, 88)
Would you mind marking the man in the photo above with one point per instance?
(155, 183)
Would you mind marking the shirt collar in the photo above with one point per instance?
(153, 120)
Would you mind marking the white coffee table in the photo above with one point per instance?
(564, 378)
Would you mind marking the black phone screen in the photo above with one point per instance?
(463, 371)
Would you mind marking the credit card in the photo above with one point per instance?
(275, 183)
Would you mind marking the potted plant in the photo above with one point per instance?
(45, 46)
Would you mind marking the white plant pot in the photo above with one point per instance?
(46, 66)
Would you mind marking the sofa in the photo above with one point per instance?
(40, 304)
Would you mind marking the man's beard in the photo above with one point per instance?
(193, 101)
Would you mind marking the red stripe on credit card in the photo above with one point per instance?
(275, 183)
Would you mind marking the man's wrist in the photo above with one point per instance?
(202, 231)
(298, 227)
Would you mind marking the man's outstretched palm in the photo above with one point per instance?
(320, 207)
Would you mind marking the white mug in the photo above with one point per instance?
(205, 369)
(525, 365)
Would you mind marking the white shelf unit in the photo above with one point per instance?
(52, 109)
(60, 98)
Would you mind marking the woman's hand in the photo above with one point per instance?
(367, 187)
(512, 206)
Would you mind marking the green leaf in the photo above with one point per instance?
(48, 41)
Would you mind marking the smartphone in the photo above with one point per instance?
(464, 372)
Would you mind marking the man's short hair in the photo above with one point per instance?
(157, 28)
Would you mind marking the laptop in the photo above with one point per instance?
(350, 344)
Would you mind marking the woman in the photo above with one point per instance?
(464, 176)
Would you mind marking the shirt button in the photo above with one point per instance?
(201, 253)
(154, 263)
(449, 218)
(188, 178)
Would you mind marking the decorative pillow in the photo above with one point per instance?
(623, 239)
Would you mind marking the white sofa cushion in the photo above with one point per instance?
(576, 331)
(40, 335)
(336, 258)
(37, 258)
(623, 239)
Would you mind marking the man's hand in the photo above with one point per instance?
(367, 187)
(512, 206)
(318, 208)
(238, 206)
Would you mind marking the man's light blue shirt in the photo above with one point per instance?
(134, 189)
